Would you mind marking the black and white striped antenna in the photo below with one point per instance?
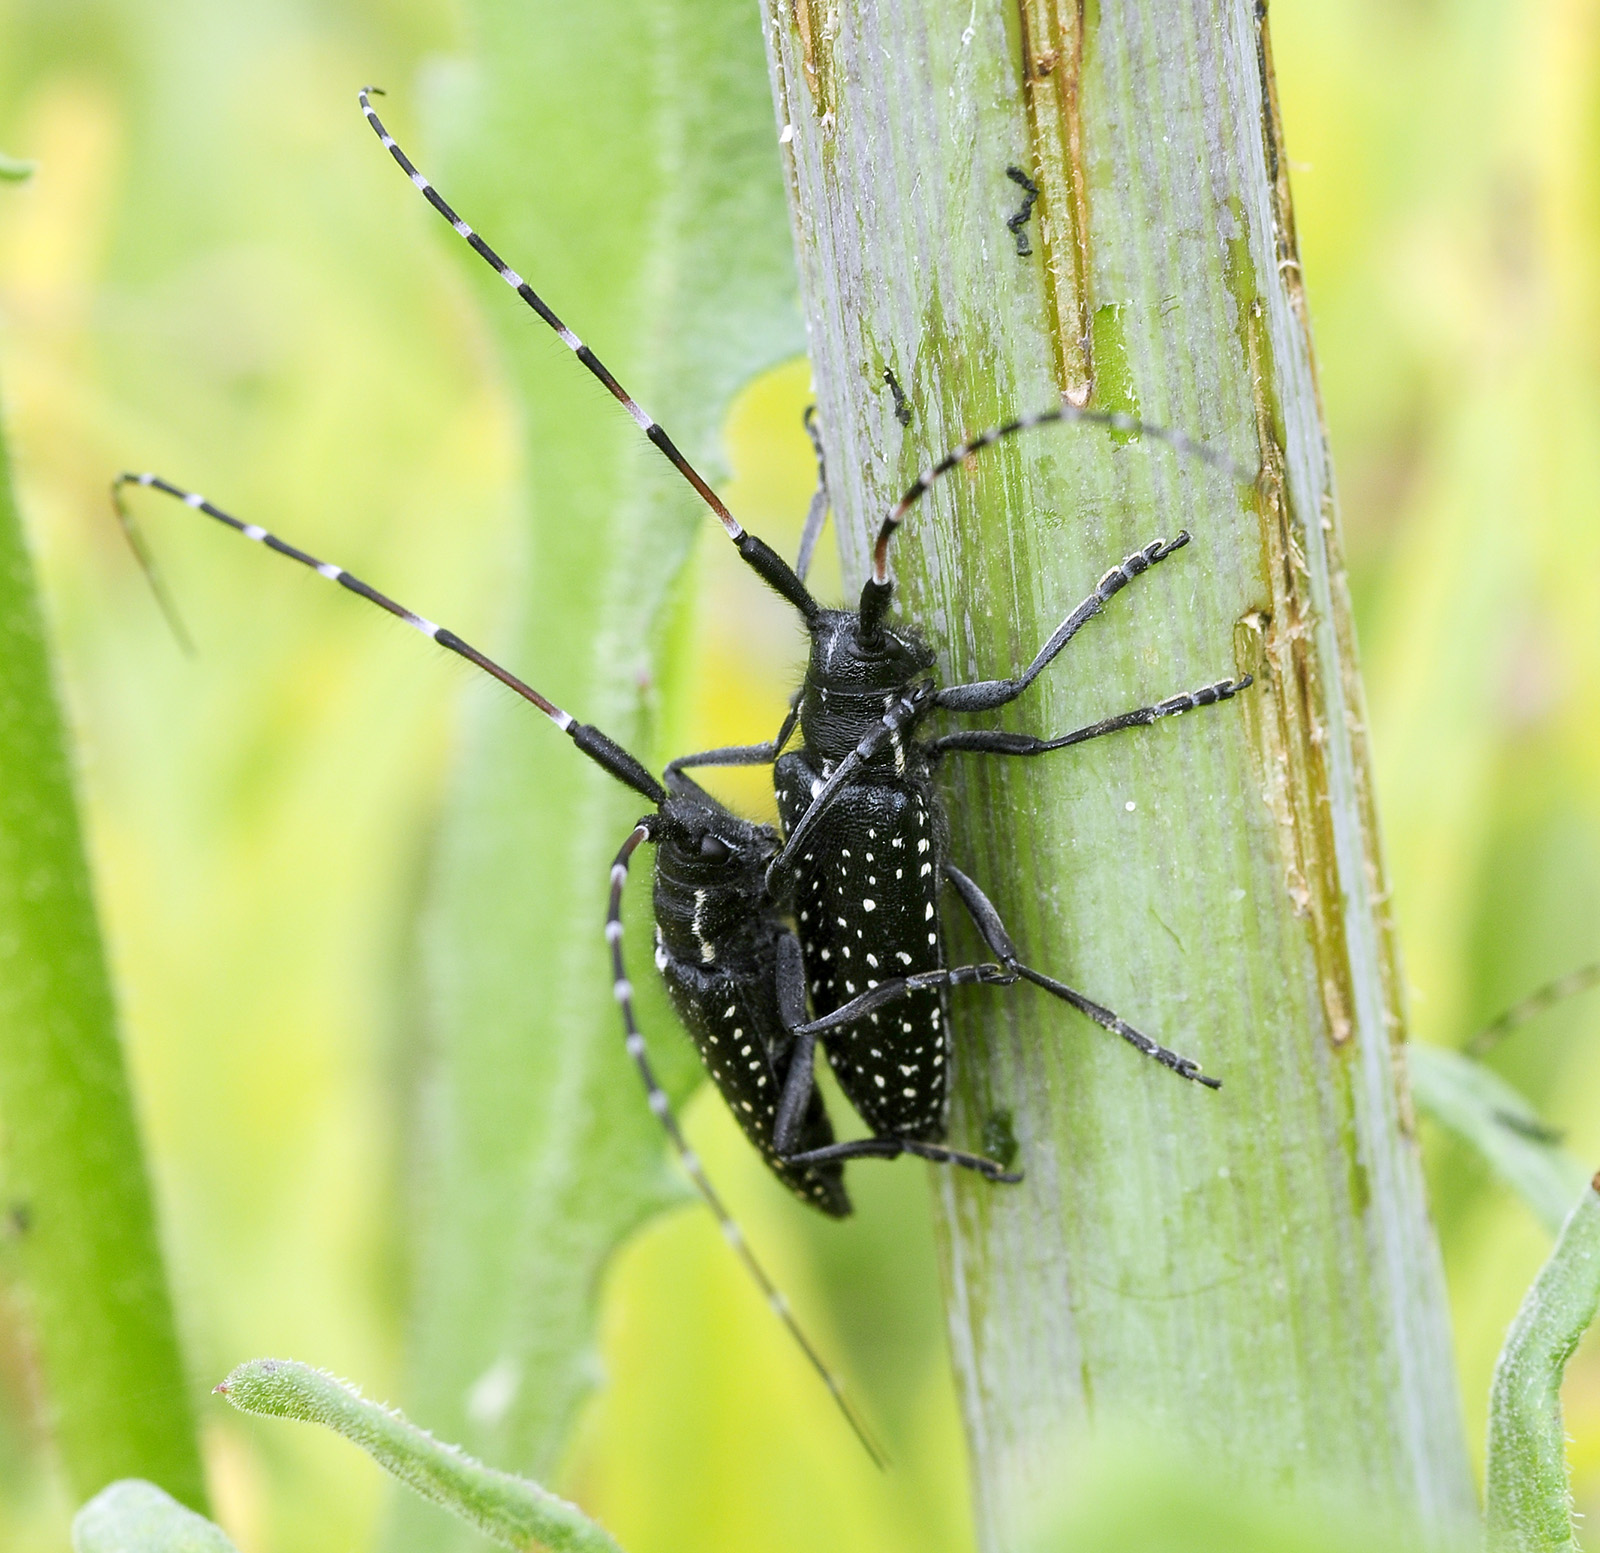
(756, 553)
(617, 762)
(661, 1104)
(596, 745)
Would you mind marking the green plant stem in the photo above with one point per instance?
(1247, 1276)
(79, 1230)
(1528, 1504)
(510, 1510)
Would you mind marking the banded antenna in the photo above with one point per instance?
(1113, 420)
(756, 553)
(877, 590)
(605, 752)
(661, 1104)
(1536, 1002)
(617, 762)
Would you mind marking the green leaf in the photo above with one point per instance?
(15, 169)
(510, 1510)
(82, 1240)
(1527, 1502)
(674, 265)
(1484, 1111)
(132, 1516)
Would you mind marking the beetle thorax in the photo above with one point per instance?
(711, 899)
(853, 680)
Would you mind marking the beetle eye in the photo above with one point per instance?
(715, 850)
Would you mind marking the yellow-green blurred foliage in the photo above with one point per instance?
(203, 279)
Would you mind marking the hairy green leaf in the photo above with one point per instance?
(674, 266)
(1527, 1502)
(512, 1511)
(133, 1516)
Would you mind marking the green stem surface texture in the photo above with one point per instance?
(1528, 1503)
(508, 1510)
(79, 1232)
(1248, 1276)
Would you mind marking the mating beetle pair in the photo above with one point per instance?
(861, 865)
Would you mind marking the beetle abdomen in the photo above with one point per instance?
(735, 1027)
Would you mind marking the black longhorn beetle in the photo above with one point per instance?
(736, 972)
(732, 966)
(866, 689)
(865, 854)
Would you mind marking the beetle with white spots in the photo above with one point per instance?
(731, 963)
(861, 777)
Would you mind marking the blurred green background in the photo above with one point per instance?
(216, 274)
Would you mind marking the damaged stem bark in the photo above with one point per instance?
(1247, 1276)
